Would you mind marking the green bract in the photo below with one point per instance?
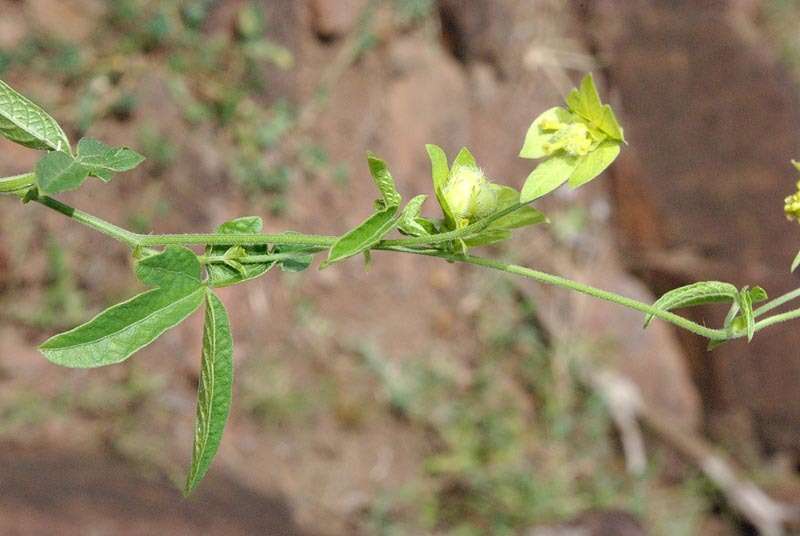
(578, 142)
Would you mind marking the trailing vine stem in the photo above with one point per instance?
(414, 245)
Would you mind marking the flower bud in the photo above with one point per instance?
(469, 195)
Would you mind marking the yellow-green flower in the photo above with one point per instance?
(792, 205)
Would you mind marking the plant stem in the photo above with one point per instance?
(320, 242)
(777, 319)
(236, 240)
(550, 279)
(98, 224)
(777, 302)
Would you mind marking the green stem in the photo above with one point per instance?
(549, 279)
(259, 259)
(321, 242)
(777, 302)
(236, 240)
(98, 224)
(471, 229)
(777, 319)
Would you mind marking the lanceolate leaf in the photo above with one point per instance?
(214, 390)
(118, 332)
(547, 176)
(695, 294)
(489, 236)
(383, 180)
(796, 261)
(746, 306)
(440, 171)
(24, 122)
(221, 275)
(363, 237)
(300, 260)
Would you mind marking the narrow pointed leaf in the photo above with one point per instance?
(23, 122)
(547, 176)
(300, 261)
(796, 262)
(120, 331)
(440, 171)
(695, 294)
(746, 306)
(383, 180)
(214, 390)
(363, 237)
(464, 158)
(489, 236)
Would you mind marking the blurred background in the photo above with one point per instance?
(417, 397)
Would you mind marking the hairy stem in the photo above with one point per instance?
(777, 302)
(558, 281)
(320, 242)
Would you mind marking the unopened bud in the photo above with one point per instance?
(469, 195)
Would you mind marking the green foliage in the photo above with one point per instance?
(214, 389)
(579, 142)
(366, 235)
(118, 332)
(23, 122)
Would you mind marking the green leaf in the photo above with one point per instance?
(222, 275)
(383, 180)
(548, 176)
(464, 158)
(214, 390)
(585, 102)
(58, 172)
(409, 219)
(23, 122)
(104, 161)
(694, 294)
(120, 331)
(757, 294)
(537, 137)
(489, 236)
(746, 306)
(440, 171)
(796, 262)
(523, 216)
(594, 163)
(363, 237)
(297, 263)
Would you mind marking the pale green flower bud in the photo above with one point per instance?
(792, 205)
(469, 195)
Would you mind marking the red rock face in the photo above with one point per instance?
(712, 122)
